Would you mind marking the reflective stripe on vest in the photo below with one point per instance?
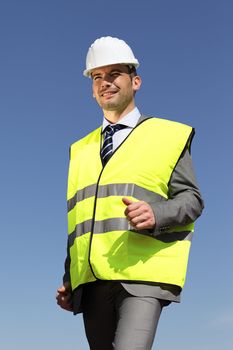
(102, 243)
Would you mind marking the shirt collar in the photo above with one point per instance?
(130, 119)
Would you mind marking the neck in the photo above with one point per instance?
(114, 116)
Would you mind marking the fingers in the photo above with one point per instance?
(64, 297)
(65, 303)
(130, 205)
(136, 217)
(139, 214)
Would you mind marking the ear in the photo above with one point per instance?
(136, 82)
(93, 92)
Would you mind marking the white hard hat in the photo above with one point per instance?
(107, 50)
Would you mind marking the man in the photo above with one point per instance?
(132, 201)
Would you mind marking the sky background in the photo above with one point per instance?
(186, 53)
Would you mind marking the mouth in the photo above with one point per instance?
(108, 93)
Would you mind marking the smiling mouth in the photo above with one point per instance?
(108, 93)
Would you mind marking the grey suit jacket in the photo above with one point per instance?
(183, 206)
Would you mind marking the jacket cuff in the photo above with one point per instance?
(161, 219)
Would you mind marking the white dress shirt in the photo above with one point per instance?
(130, 120)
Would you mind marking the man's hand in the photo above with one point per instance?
(139, 214)
(64, 297)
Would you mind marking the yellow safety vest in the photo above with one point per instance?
(102, 244)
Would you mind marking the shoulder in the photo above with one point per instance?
(93, 136)
(164, 123)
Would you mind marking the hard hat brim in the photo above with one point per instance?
(87, 72)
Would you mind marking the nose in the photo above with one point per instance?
(106, 81)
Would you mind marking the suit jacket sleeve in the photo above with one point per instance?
(66, 276)
(184, 204)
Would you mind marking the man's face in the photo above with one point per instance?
(114, 88)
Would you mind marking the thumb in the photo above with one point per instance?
(61, 289)
(127, 201)
(65, 288)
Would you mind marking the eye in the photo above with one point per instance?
(115, 74)
(96, 77)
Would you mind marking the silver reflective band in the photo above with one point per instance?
(80, 195)
(121, 189)
(80, 229)
(108, 225)
(122, 224)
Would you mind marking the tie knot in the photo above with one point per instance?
(111, 129)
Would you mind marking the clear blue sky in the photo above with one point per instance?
(186, 54)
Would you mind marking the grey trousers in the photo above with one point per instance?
(114, 319)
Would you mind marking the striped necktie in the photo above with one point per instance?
(107, 148)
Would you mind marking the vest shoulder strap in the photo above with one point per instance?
(93, 137)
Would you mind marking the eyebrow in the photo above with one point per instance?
(117, 70)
